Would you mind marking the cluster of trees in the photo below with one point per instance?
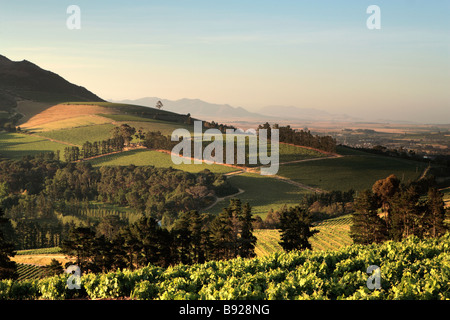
(302, 138)
(121, 137)
(320, 206)
(391, 210)
(329, 204)
(155, 140)
(8, 127)
(150, 190)
(194, 238)
(92, 149)
(38, 194)
(214, 125)
(8, 122)
(7, 267)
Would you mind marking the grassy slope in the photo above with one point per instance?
(263, 193)
(294, 153)
(80, 135)
(154, 158)
(67, 124)
(353, 171)
(16, 145)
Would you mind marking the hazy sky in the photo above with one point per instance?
(311, 54)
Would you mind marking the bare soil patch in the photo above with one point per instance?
(41, 259)
(62, 112)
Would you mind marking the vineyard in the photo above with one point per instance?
(410, 269)
(333, 234)
(53, 250)
(29, 272)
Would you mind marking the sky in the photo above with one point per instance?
(309, 54)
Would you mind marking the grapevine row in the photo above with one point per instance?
(410, 269)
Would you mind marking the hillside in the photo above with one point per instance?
(23, 80)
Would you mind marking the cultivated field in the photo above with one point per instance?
(154, 158)
(263, 193)
(16, 145)
(80, 135)
(446, 199)
(356, 171)
(81, 121)
(333, 235)
(62, 112)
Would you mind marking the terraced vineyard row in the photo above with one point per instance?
(29, 272)
(53, 250)
(333, 235)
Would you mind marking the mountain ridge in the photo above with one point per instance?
(203, 109)
(24, 80)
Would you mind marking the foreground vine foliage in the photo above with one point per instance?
(410, 269)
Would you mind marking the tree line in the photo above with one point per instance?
(194, 238)
(301, 137)
(393, 211)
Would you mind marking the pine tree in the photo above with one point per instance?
(198, 237)
(154, 242)
(130, 245)
(367, 226)
(53, 268)
(406, 214)
(247, 240)
(80, 244)
(435, 213)
(235, 212)
(183, 238)
(295, 226)
(221, 234)
(7, 267)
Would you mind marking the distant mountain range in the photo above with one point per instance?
(211, 111)
(197, 108)
(23, 80)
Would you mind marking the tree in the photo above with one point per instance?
(183, 238)
(124, 132)
(7, 267)
(199, 237)
(435, 213)
(130, 245)
(247, 240)
(109, 227)
(80, 244)
(406, 214)
(367, 226)
(221, 233)
(385, 190)
(154, 242)
(295, 227)
(53, 268)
